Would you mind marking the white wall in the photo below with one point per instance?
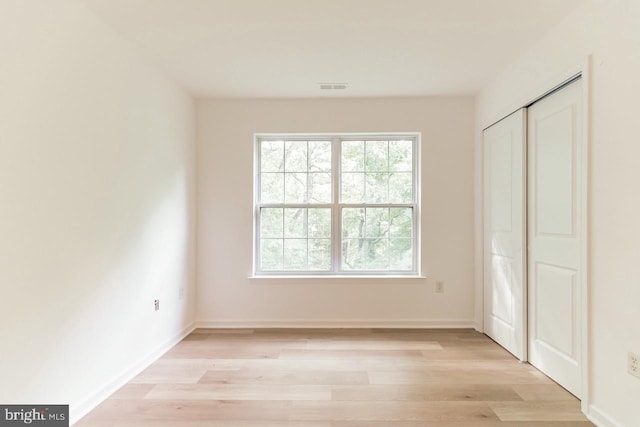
(96, 205)
(610, 32)
(226, 294)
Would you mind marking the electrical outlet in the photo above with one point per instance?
(156, 304)
(181, 292)
(633, 364)
(440, 287)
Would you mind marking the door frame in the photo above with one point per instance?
(582, 70)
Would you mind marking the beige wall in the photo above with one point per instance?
(96, 206)
(226, 294)
(609, 31)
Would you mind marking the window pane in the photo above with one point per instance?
(400, 254)
(400, 187)
(295, 156)
(319, 156)
(352, 156)
(353, 224)
(367, 245)
(271, 224)
(353, 254)
(352, 188)
(377, 188)
(272, 156)
(378, 254)
(295, 254)
(271, 257)
(296, 188)
(401, 156)
(272, 188)
(401, 222)
(320, 188)
(319, 254)
(377, 222)
(376, 156)
(319, 223)
(295, 222)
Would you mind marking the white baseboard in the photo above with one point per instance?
(310, 324)
(601, 419)
(82, 408)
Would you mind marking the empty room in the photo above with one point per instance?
(356, 213)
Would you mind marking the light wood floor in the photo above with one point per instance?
(338, 378)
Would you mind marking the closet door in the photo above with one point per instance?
(504, 233)
(556, 180)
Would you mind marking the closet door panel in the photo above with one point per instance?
(504, 233)
(554, 218)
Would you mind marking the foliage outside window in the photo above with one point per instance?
(336, 204)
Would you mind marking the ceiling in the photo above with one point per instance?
(284, 48)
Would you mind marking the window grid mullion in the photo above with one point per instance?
(365, 236)
(284, 184)
(364, 168)
(307, 176)
(336, 214)
(388, 173)
(284, 232)
(306, 234)
(296, 205)
(376, 205)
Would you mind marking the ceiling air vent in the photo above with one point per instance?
(333, 86)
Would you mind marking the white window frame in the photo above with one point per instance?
(336, 205)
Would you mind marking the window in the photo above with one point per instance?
(337, 204)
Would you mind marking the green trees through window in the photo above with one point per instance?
(336, 205)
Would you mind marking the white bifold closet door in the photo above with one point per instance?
(504, 233)
(556, 175)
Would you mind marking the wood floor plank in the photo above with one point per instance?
(380, 364)
(239, 392)
(314, 332)
(466, 354)
(365, 345)
(159, 374)
(475, 423)
(427, 392)
(543, 392)
(208, 364)
(225, 423)
(538, 411)
(349, 354)
(285, 376)
(132, 391)
(226, 331)
(456, 377)
(208, 352)
(267, 365)
(201, 423)
(391, 411)
(195, 410)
